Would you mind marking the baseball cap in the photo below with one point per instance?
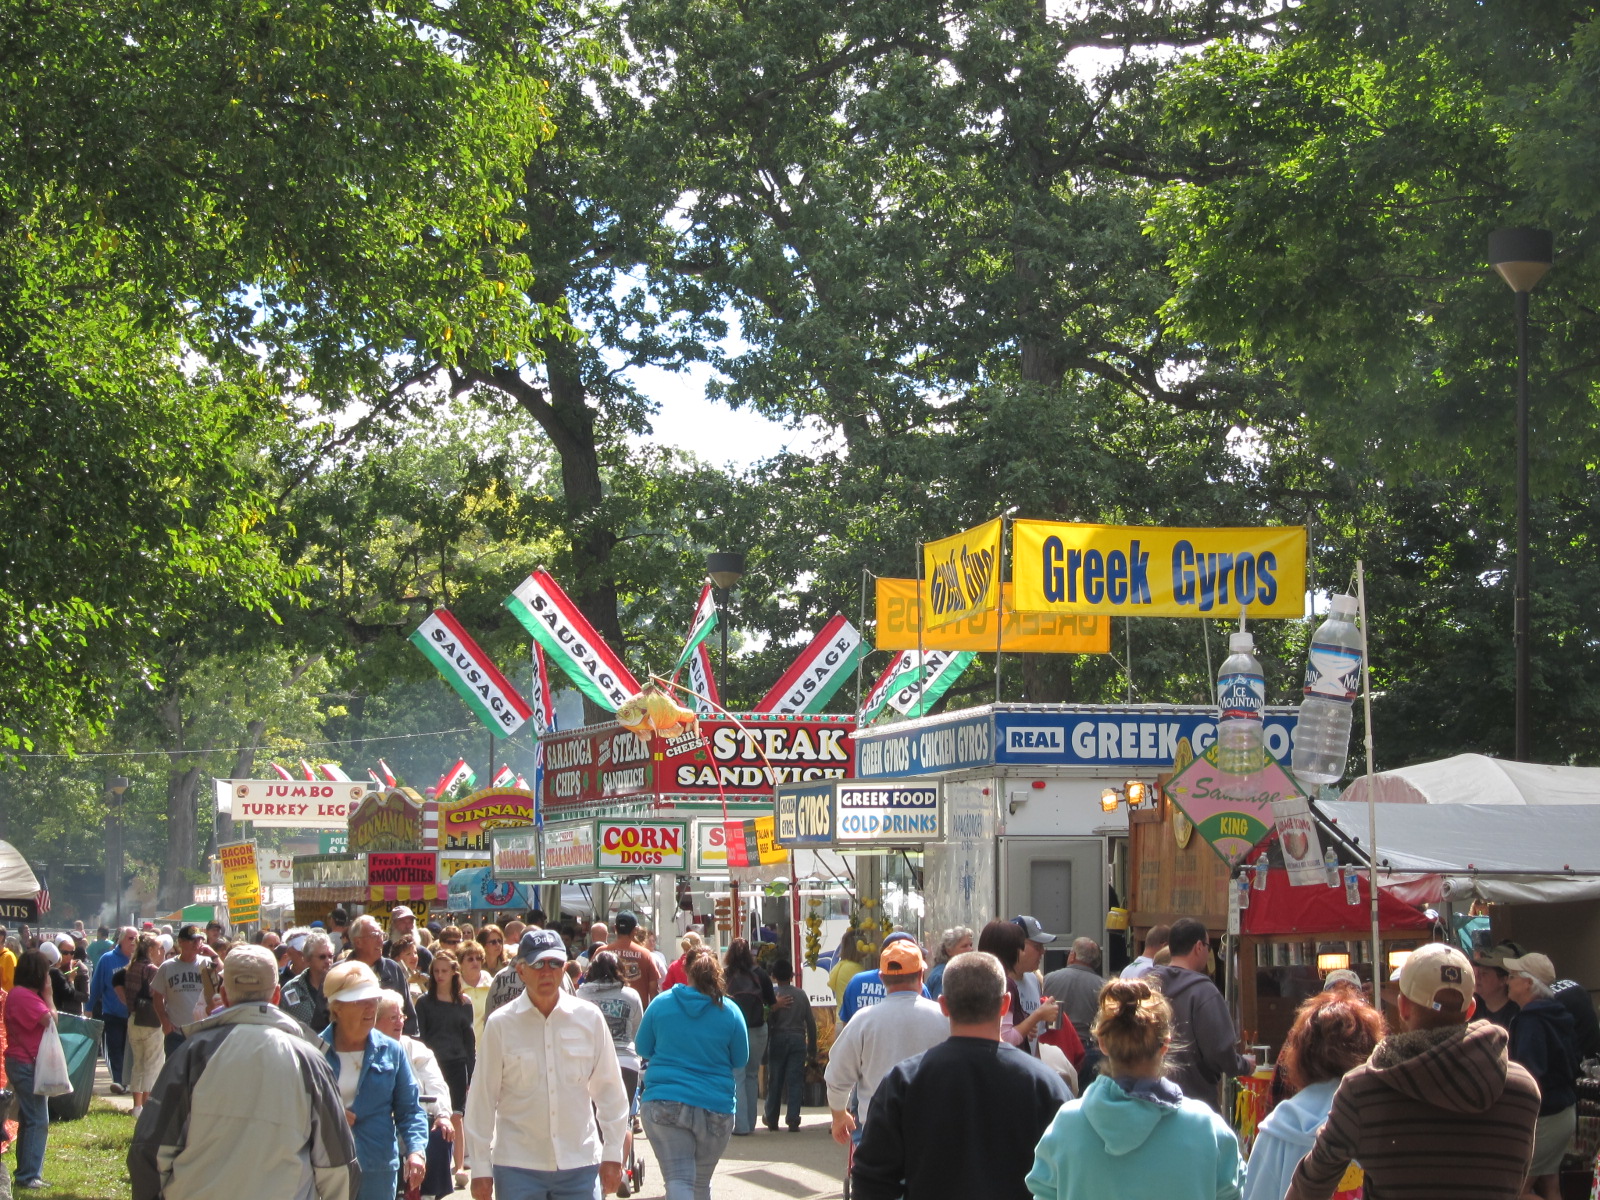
(1342, 975)
(1496, 955)
(400, 912)
(249, 969)
(540, 945)
(903, 957)
(347, 983)
(1436, 968)
(1537, 965)
(899, 935)
(626, 922)
(191, 933)
(51, 952)
(297, 942)
(1035, 931)
(318, 925)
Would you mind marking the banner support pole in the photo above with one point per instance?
(862, 626)
(1372, 793)
(921, 654)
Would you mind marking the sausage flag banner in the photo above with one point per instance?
(704, 623)
(706, 700)
(819, 672)
(940, 669)
(544, 721)
(960, 574)
(468, 669)
(1023, 633)
(1147, 571)
(555, 622)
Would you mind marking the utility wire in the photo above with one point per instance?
(394, 737)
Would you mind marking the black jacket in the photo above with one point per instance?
(958, 1121)
(1542, 1041)
(446, 1028)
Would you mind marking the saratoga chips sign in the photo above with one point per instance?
(1147, 571)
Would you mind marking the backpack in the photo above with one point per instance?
(748, 998)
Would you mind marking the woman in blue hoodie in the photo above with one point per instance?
(1134, 1134)
(694, 1040)
(1333, 1032)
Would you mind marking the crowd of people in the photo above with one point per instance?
(343, 1061)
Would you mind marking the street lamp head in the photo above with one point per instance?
(725, 568)
(1522, 256)
(119, 784)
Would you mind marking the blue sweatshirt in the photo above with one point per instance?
(1284, 1138)
(693, 1044)
(1111, 1144)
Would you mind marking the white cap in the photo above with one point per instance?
(1344, 606)
(1241, 642)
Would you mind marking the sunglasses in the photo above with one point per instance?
(548, 964)
(494, 942)
(473, 958)
(451, 941)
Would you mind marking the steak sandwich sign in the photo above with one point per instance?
(606, 762)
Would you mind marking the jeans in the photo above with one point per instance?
(521, 1183)
(33, 1120)
(748, 1082)
(786, 1075)
(116, 1045)
(687, 1142)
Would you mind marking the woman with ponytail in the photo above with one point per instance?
(694, 1040)
(1134, 1135)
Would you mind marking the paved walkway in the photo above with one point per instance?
(807, 1165)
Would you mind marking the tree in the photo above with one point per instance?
(306, 200)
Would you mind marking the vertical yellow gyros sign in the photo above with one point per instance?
(1148, 571)
(241, 881)
(961, 575)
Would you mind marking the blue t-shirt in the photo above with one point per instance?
(863, 991)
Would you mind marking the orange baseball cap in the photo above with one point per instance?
(901, 957)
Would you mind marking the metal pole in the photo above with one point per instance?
(1372, 790)
(999, 607)
(1522, 635)
(862, 627)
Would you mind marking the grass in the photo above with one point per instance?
(87, 1159)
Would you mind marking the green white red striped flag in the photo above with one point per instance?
(449, 781)
(902, 669)
(940, 669)
(503, 777)
(549, 614)
(819, 672)
(705, 701)
(705, 621)
(469, 670)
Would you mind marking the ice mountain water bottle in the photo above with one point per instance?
(1333, 673)
(1242, 696)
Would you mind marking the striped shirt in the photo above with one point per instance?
(1437, 1114)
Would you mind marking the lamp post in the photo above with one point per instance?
(1522, 257)
(724, 568)
(116, 785)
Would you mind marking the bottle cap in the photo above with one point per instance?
(1344, 606)
(1243, 642)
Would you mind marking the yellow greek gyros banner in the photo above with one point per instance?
(1032, 633)
(1147, 571)
(959, 575)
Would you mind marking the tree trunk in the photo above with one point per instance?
(182, 816)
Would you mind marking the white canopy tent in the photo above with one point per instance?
(1508, 853)
(1478, 779)
(17, 880)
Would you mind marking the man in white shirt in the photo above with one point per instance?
(546, 1112)
(1154, 942)
(902, 1024)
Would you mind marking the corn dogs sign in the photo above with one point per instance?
(634, 846)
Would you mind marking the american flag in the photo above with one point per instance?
(42, 897)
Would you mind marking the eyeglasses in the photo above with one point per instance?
(321, 954)
(473, 958)
(494, 942)
(451, 941)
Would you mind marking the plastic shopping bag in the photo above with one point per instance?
(50, 1076)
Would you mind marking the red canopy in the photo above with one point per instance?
(1317, 910)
